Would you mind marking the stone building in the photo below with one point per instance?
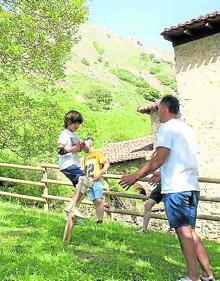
(196, 45)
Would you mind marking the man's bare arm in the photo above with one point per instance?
(155, 163)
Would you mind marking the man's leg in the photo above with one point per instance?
(187, 243)
(148, 205)
(202, 255)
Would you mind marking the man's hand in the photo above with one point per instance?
(127, 181)
(154, 179)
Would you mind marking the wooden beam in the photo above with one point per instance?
(209, 25)
(188, 32)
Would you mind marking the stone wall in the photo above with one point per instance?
(198, 81)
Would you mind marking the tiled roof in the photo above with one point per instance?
(128, 150)
(148, 108)
(193, 27)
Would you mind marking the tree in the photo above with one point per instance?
(35, 40)
(36, 35)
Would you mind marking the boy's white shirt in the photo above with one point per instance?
(68, 139)
(179, 173)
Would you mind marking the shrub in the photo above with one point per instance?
(149, 93)
(99, 99)
(85, 61)
(99, 49)
(129, 77)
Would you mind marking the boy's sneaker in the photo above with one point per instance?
(142, 231)
(68, 207)
(185, 279)
(79, 222)
(99, 221)
(211, 278)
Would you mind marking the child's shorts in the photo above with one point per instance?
(73, 173)
(96, 191)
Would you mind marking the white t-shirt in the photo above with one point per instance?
(179, 173)
(68, 139)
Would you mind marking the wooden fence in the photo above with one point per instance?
(45, 182)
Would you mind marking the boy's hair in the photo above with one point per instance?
(172, 103)
(90, 138)
(71, 117)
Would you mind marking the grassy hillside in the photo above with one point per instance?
(107, 78)
(32, 250)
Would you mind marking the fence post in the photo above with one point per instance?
(45, 192)
(108, 200)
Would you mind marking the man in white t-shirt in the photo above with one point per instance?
(175, 156)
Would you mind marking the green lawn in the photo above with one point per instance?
(31, 249)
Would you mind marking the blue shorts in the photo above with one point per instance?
(181, 208)
(96, 191)
(73, 173)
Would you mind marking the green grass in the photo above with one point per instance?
(32, 249)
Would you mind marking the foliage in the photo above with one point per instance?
(32, 249)
(149, 93)
(28, 121)
(99, 99)
(126, 75)
(98, 47)
(85, 61)
(36, 36)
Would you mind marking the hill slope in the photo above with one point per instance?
(108, 77)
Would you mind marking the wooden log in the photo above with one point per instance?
(51, 166)
(126, 195)
(6, 165)
(57, 182)
(21, 181)
(27, 197)
(158, 216)
(68, 228)
(64, 199)
(45, 191)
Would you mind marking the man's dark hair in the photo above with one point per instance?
(71, 117)
(172, 103)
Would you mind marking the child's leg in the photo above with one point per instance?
(96, 195)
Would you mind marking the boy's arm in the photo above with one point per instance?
(62, 149)
(104, 169)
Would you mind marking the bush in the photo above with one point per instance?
(100, 50)
(85, 61)
(149, 94)
(129, 77)
(99, 99)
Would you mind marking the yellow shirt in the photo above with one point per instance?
(93, 163)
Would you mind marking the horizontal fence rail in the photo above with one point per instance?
(44, 183)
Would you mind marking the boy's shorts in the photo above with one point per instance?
(156, 194)
(181, 208)
(73, 173)
(96, 191)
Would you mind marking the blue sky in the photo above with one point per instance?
(144, 19)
